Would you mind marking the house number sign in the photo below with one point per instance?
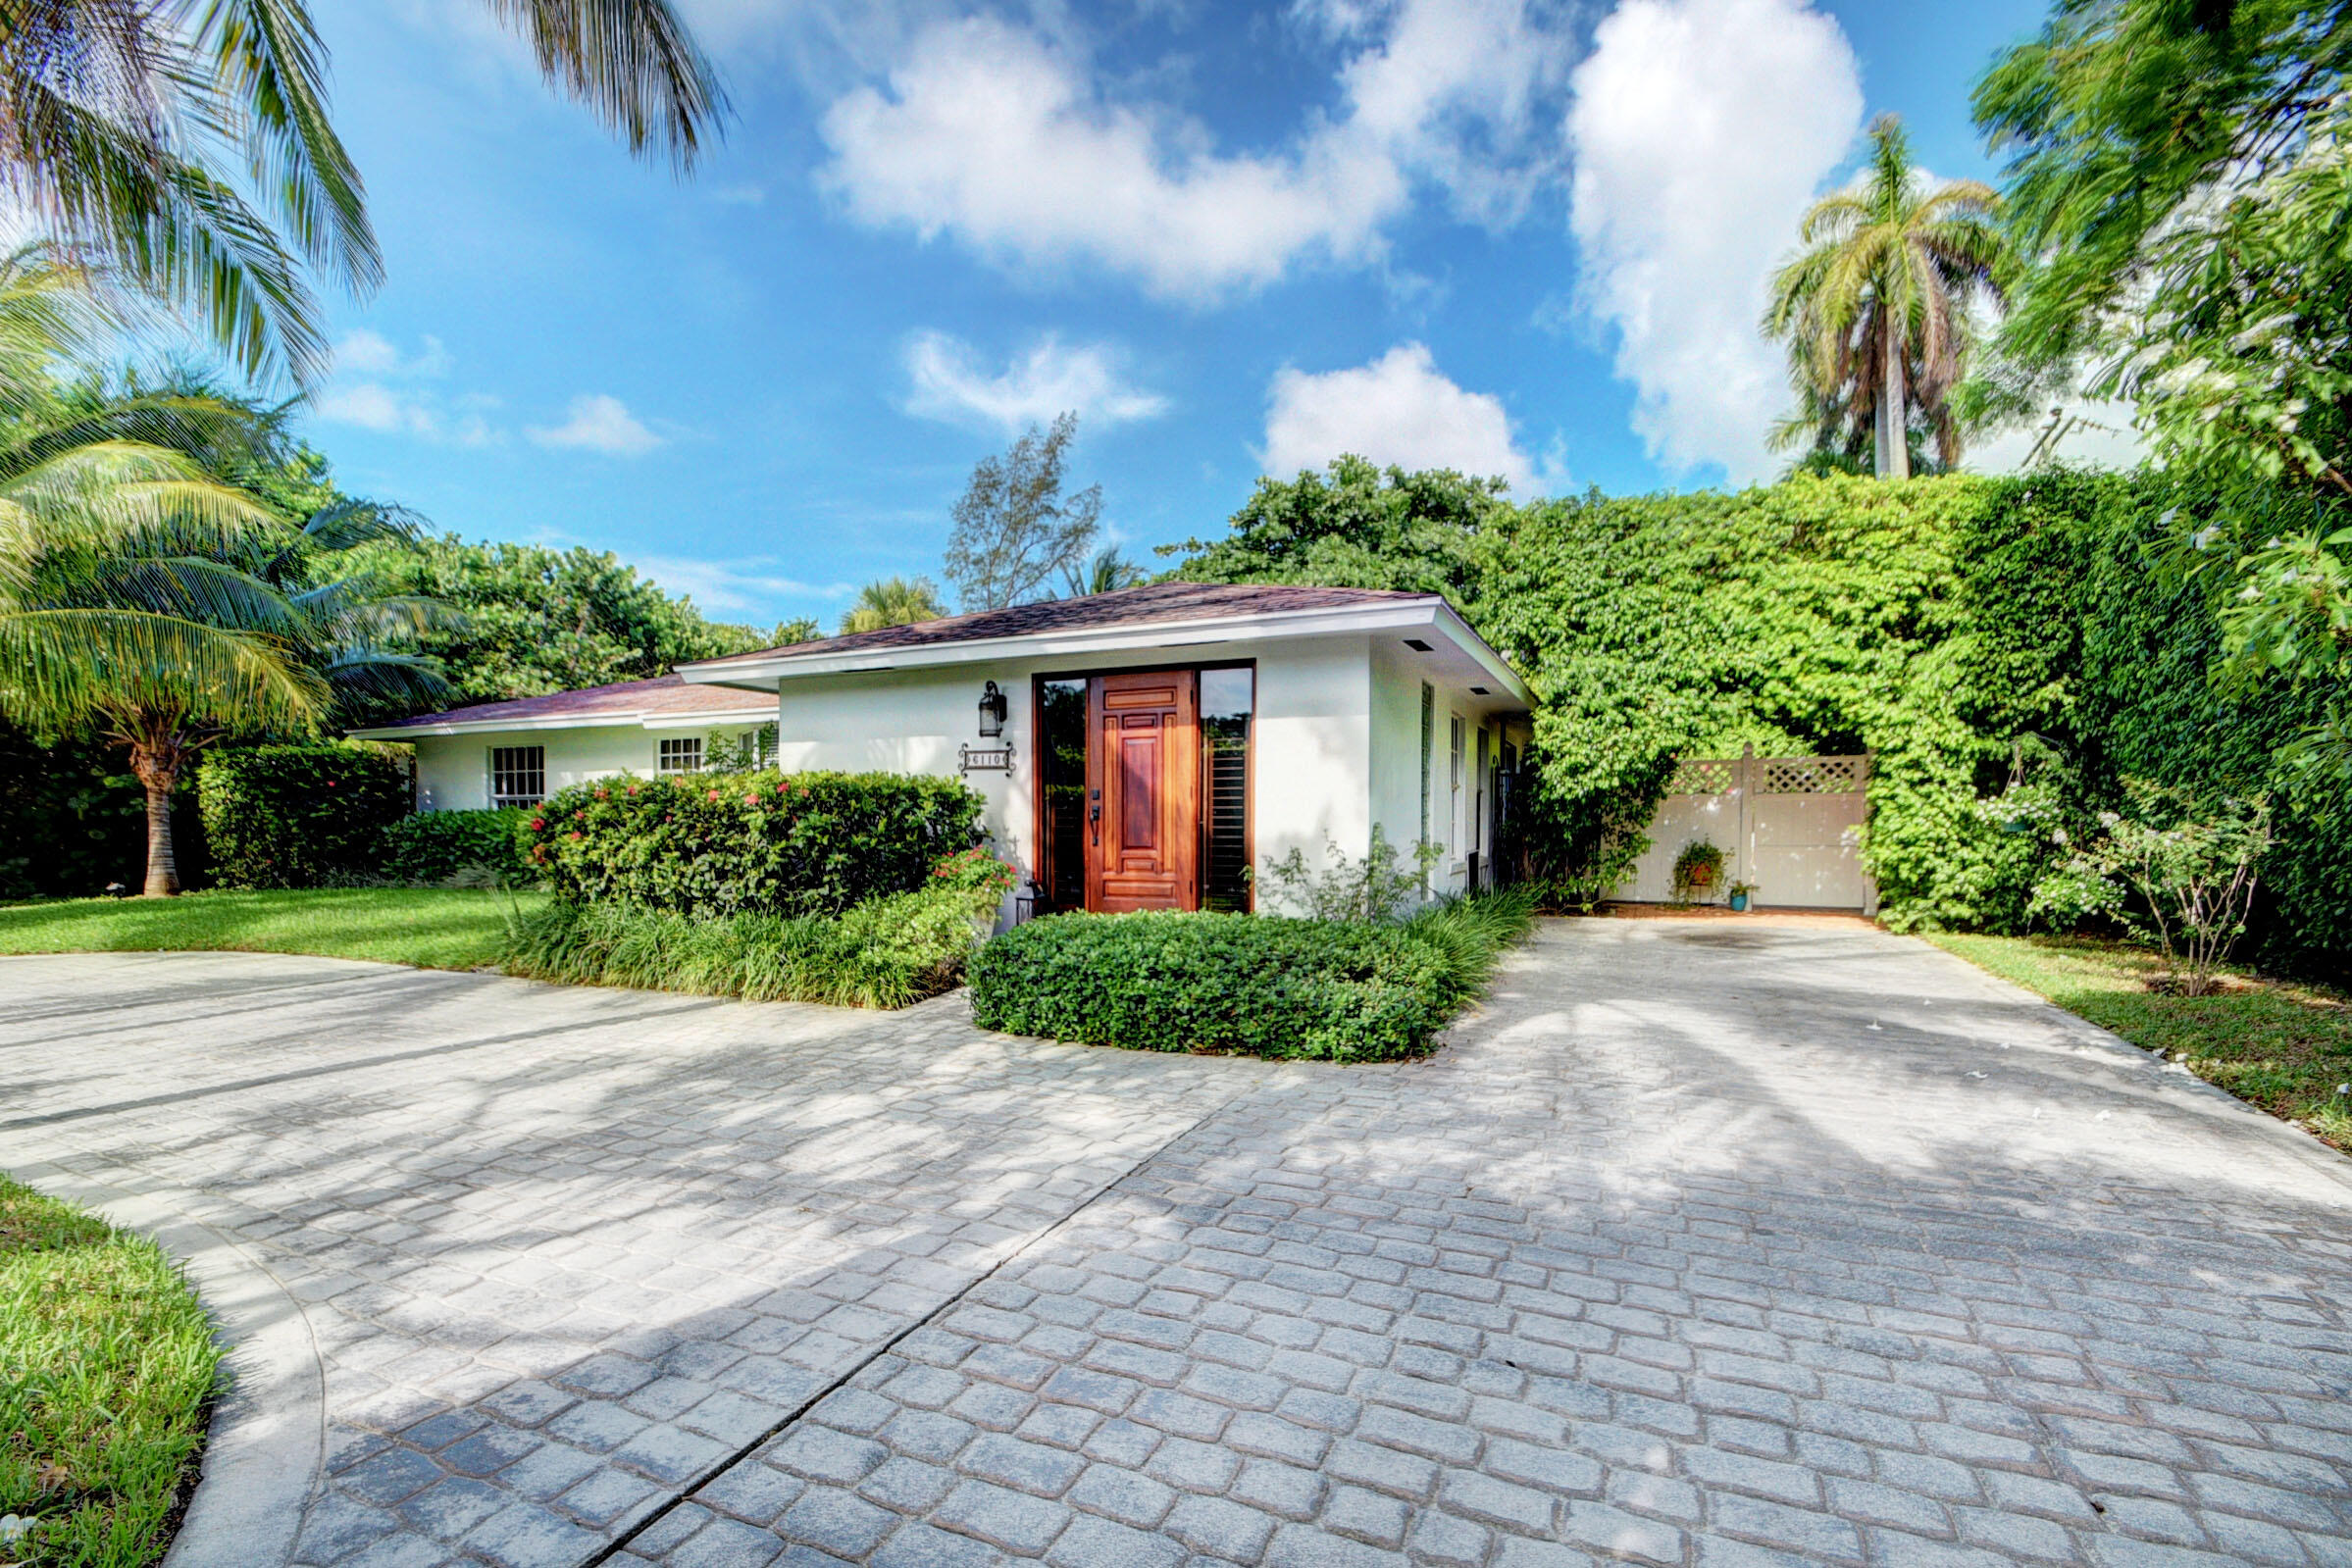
(985, 759)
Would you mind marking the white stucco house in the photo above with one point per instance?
(1139, 749)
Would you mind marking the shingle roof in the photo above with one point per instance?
(1154, 604)
(666, 695)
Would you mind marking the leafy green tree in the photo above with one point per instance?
(1015, 532)
(2182, 175)
(893, 602)
(133, 123)
(1356, 525)
(530, 621)
(1875, 306)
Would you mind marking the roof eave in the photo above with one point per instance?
(1245, 628)
(561, 721)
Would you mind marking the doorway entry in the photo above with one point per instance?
(1145, 793)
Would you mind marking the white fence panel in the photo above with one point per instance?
(1791, 825)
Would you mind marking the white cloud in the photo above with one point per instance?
(599, 423)
(1399, 409)
(949, 384)
(1003, 138)
(1701, 130)
(377, 389)
(366, 353)
(733, 587)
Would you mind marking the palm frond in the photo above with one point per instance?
(632, 63)
(268, 60)
(66, 668)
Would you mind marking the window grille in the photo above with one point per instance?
(518, 775)
(680, 756)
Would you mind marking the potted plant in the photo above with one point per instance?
(1740, 892)
(1697, 869)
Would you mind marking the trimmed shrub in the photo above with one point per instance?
(298, 816)
(709, 845)
(446, 845)
(1265, 985)
(888, 952)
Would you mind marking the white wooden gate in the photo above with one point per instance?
(1792, 825)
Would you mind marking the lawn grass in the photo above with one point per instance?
(107, 1365)
(2281, 1046)
(432, 928)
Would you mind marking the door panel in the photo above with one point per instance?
(1142, 792)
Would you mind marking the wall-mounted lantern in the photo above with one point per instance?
(992, 708)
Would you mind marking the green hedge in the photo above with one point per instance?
(1954, 627)
(1263, 985)
(298, 816)
(440, 846)
(887, 952)
(708, 844)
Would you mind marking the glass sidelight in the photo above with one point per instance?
(1228, 698)
(1062, 775)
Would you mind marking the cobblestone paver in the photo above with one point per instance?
(563, 1251)
(1706, 1243)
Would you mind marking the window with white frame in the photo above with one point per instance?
(1456, 835)
(684, 755)
(518, 775)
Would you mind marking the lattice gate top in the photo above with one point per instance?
(1770, 775)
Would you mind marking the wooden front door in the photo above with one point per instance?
(1143, 791)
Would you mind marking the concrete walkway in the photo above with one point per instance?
(1708, 1242)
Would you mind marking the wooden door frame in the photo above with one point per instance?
(1041, 823)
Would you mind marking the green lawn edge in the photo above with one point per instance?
(2281, 1046)
(107, 1373)
(425, 928)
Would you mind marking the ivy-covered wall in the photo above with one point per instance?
(1967, 630)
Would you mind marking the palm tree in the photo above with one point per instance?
(1875, 306)
(893, 602)
(120, 118)
(1106, 571)
(143, 596)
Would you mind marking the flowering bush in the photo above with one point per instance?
(810, 844)
(2180, 869)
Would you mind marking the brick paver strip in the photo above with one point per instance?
(1704, 1243)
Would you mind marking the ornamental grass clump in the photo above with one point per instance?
(886, 952)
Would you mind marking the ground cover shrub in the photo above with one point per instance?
(1343, 990)
(887, 951)
(438, 846)
(107, 1371)
(711, 844)
(298, 816)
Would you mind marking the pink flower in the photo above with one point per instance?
(573, 835)
(714, 794)
(538, 824)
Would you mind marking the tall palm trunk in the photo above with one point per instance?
(157, 760)
(1893, 435)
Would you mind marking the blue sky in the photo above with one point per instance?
(1494, 234)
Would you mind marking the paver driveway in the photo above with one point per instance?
(1705, 1242)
